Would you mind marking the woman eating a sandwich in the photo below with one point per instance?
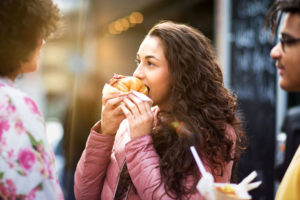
(137, 151)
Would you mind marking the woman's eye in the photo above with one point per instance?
(150, 63)
(137, 61)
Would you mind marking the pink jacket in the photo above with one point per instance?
(98, 169)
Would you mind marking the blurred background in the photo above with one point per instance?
(99, 38)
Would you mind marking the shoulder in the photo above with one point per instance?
(7, 102)
(16, 98)
(9, 89)
(11, 94)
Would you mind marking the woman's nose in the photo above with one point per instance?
(276, 51)
(138, 72)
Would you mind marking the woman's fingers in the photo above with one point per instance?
(118, 110)
(112, 116)
(148, 108)
(126, 111)
(113, 103)
(132, 107)
(108, 96)
(143, 106)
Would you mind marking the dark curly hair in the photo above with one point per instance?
(201, 109)
(23, 23)
(279, 7)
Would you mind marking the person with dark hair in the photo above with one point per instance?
(287, 56)
(27, 165)
(148, 155)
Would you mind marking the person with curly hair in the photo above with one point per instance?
(27, 163)
(148, 155)
(287, 55)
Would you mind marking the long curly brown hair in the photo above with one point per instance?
(200, 107)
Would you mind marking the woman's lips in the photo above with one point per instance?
(280, 69)
(281, 72)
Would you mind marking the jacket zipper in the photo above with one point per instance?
(124, 162)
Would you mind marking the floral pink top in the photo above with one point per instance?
(27, 165)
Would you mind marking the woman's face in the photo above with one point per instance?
(153, 70)
(32, 63)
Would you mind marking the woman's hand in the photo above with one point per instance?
(112, 114)
(139, 115)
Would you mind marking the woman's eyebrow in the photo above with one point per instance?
(151, 56)
(147, 57)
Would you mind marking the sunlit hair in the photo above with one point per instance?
(23, 23)
(200, 111)
(279, 7)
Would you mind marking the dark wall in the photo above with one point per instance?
(253, 78)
